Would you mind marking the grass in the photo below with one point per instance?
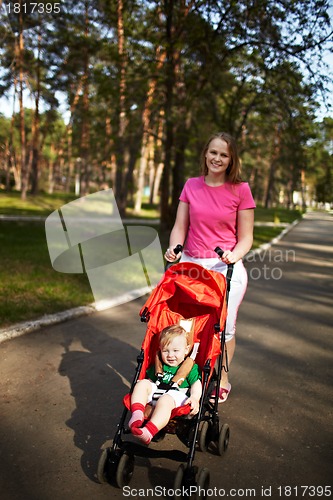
(31, 288)
(264, 234)
(276, 215)
(41, 205)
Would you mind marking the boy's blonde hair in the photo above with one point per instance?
(170, 332)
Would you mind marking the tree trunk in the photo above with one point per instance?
(33, 163)
(147, 126)
(11, 161)
(184, 118)
(110, 163)
(120, 187)
(69, 132)
(179, 166)
(168, 145)
(158, 160)
(85, 136)
(174, 34)
(273, 166)
(20, 49)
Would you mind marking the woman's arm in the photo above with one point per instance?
(245, 222)
(179, 230)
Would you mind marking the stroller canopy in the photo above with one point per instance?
(187, 290)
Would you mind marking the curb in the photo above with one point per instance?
(42, 218)
(265, 246)
(53, 319)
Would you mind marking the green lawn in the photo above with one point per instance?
(31, 288)
(276, 215)
(42, 204)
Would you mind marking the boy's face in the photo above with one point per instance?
(174, 352)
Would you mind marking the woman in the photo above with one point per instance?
(217, 209)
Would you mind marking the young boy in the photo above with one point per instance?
(174, 347)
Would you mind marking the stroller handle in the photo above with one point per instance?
(219, 251)
(176, 250)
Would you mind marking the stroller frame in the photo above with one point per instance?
(116, 463)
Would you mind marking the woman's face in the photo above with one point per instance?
(217, 157)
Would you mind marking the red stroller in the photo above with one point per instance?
(186, 291)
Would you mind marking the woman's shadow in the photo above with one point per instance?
(100, 369)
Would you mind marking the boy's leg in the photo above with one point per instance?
(139, 400)
(162, 411)
(159, 419)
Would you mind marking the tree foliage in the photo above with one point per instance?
(126, 92)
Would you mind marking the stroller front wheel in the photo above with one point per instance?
(178, 482)
(203, 483)
(125, 470)
(185, 478)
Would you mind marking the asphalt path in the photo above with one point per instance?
(62, 389)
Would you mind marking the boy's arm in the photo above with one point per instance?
(194, 399)
(196, 390)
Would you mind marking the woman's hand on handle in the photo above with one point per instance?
(173, 254)
(229, 257)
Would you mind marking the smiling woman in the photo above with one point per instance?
(216, 210)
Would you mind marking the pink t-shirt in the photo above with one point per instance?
(213, 215)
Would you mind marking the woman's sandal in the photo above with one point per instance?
(223, 394)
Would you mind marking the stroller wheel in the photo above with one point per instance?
(223, 439)
(203, 483)
(125, 470)
(178, 482)
(204, 436)
(185, 478)
(102, 468)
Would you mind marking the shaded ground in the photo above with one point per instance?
(61, 389)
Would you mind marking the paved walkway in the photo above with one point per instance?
(62, 386)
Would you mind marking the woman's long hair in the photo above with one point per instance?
(233, 170)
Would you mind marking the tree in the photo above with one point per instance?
(321, 163)
(145, 83)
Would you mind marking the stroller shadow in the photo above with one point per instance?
(94, 364)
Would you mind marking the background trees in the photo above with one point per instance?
(144, 83)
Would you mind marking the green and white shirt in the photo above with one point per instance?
(170, 371)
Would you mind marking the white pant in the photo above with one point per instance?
(238, 287)
(179, 396)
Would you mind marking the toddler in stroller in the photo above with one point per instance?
(174, 347)
(187, 295)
